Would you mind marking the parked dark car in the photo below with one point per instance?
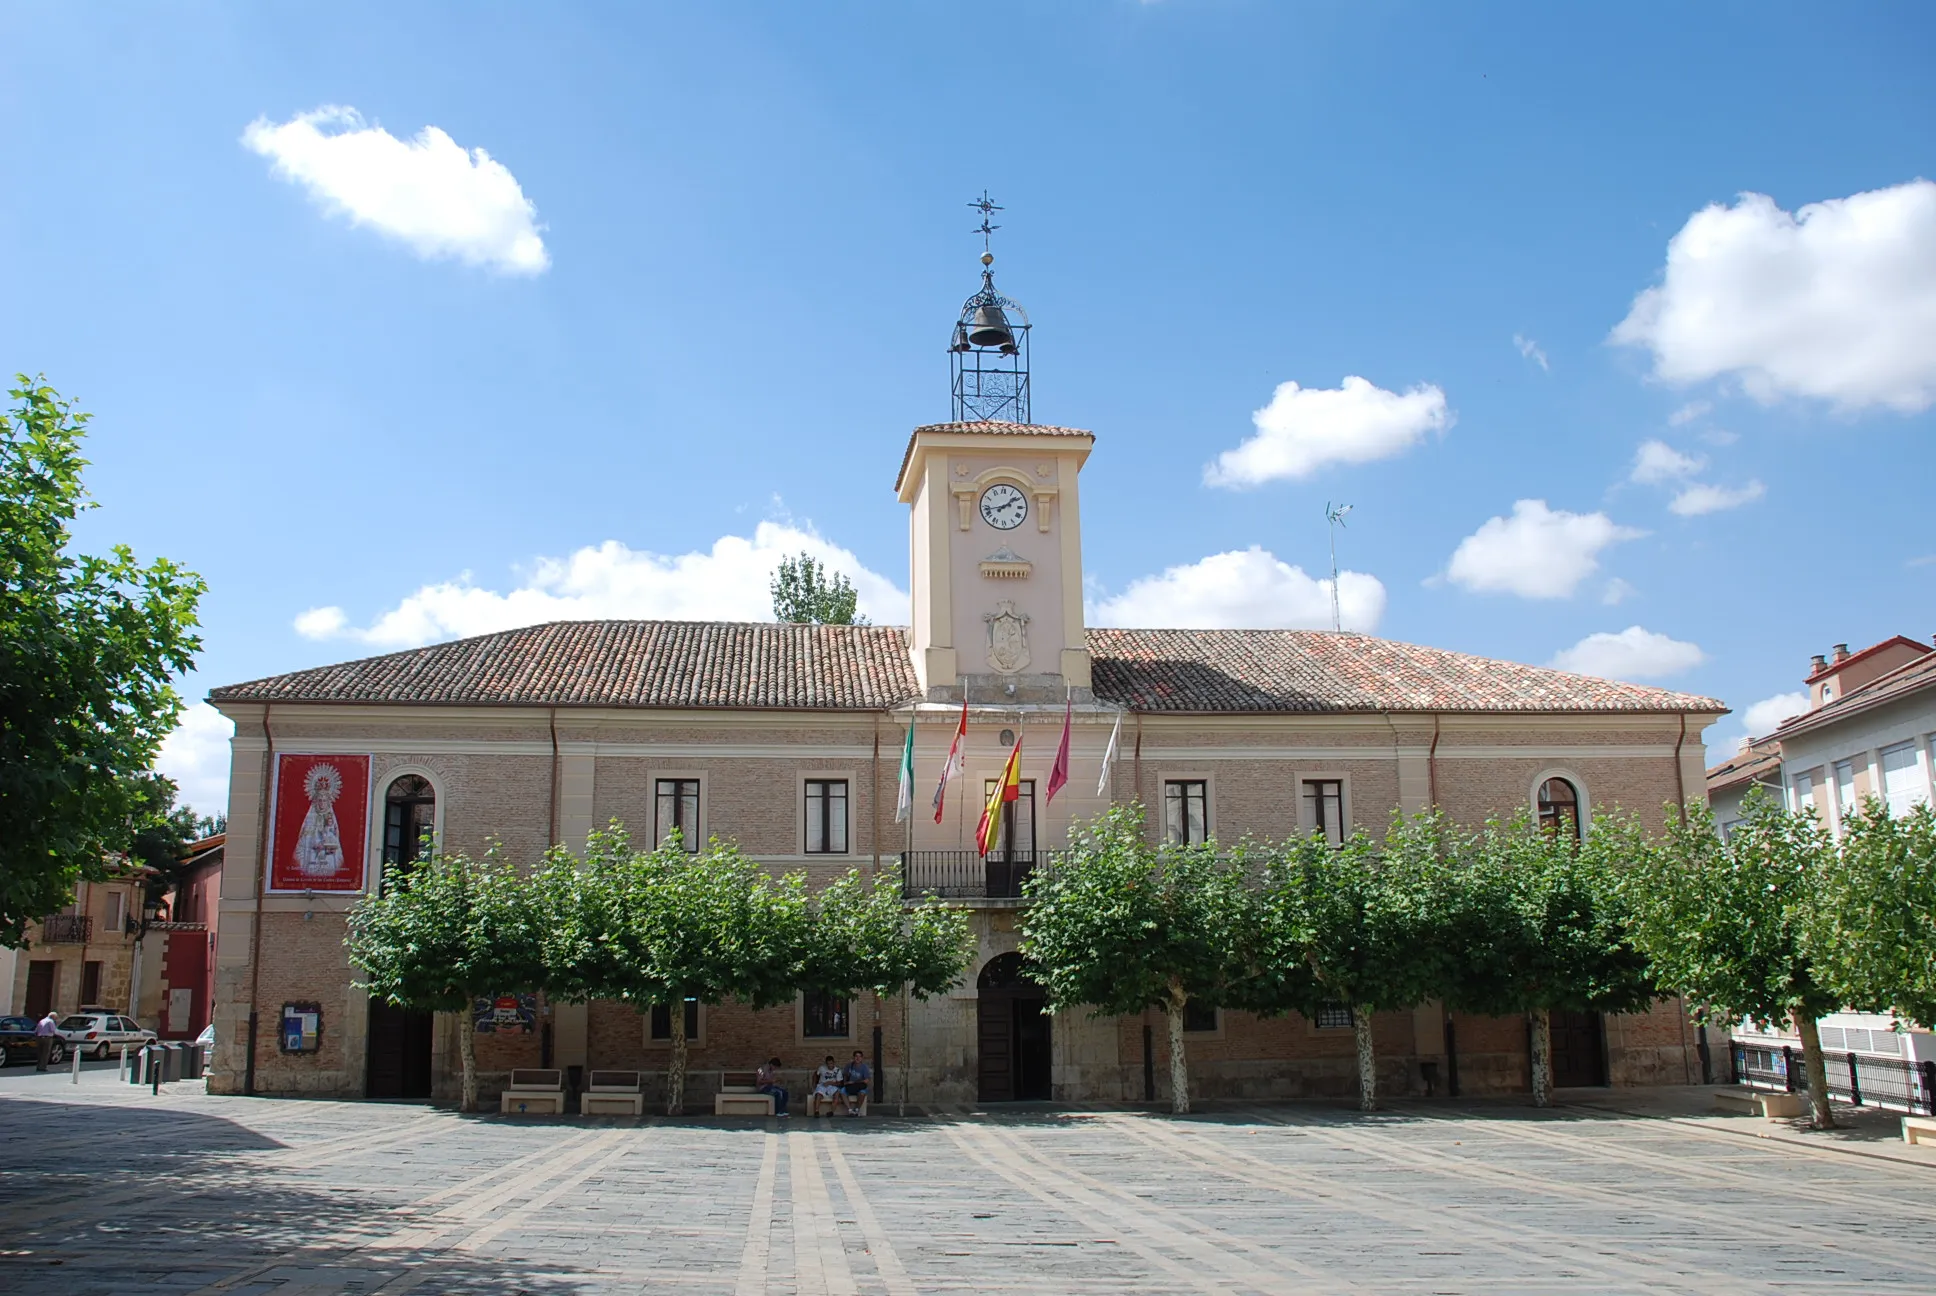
(17, 1042)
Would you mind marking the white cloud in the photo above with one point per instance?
(428, 192)
(1689, 412)
(1658, 462)
(1617, 591)
(1305, 428)
(1243, 589)
(1835, 301)
(196, 756)
(730, 582)
(1536, 553)
(1699, 498)
(1762, 718)
(1531, 350)
(1633, 654)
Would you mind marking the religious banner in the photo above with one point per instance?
(321, 818)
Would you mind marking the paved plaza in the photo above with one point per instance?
(105, 1188)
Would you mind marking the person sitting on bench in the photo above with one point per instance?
(854, 1080)
(828, 1087)
(767, 1081)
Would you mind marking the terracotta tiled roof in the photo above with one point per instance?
(847, 668)
(623, 664)
(1752, 763)
(1836, 667)
(1317, 670)
(988, 427)
(1910, 677)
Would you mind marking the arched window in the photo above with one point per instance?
(409, 816)
(1559, 807)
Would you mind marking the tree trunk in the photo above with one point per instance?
(1367, 1059)
(467, 1047)
(1816, 1070)
(676, 1071)
(1540, 1023)
(1179, 1063)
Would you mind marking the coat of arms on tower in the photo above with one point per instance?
(1008, 651)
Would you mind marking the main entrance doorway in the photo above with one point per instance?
(1576, 1049)
(399, 1065)
(1012, 1034)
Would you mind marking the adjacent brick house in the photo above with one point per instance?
(786, 738)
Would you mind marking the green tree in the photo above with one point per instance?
(1355, 924)
(1539, 923)
(450, 931)
(1872, 932)
(806, 590)
(162, 833)
(1119, 925)
(667, 925)
(88, 646)
(1722, 923)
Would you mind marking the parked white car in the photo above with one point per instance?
(100, 1033)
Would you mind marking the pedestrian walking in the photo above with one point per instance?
(44, 1039)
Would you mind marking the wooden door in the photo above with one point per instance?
(42, 977)
(399, 1056)
(1576, 1049)
(1032, 1054)
(995, 1038)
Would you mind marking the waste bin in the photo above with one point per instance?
(191, 1061)
(171, 1053)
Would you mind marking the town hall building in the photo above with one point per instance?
(786, 739)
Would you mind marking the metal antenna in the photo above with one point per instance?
(1335, 517)
(987, 209)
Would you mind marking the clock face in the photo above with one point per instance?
(1003, 507)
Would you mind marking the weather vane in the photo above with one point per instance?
(987, 209)
(1335, 516)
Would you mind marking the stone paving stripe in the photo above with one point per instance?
(759, 1223)
(887, 1262)
(820, 1257)
(607, 1148)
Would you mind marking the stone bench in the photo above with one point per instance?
(739, 1095)
(1918, 1129)
(612, 1093)
(1756, 1102)
(534, 1091)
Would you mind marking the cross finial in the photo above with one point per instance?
(987, 209)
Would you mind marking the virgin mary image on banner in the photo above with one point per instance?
(322, 803)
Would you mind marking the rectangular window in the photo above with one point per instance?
(116, 912)
(1845, 786)
(662, 1021)
(1902, 778)
(1334, 1017)
(1016, 839)
(90, 983)
(824, 1016)
(1199, 1018)
(1186, 811)
(826, 816)
(1324, 809)
(678, 807)
(1804, 793)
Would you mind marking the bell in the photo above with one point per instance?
(960, 342)
(990, 328)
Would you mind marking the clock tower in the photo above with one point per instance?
(996, 536)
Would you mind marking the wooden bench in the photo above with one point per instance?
(612, 1093)
(739, 1095)
(534, 1091)
(1918, 1129)
(1757, 1102)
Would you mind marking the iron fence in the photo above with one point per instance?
(965, 875)
(66, 929)
(1853, 1078)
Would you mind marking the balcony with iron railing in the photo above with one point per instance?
(966, 875)
(66, 929)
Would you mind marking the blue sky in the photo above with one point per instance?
(379, 390)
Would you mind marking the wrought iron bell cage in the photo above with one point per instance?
(988, 355)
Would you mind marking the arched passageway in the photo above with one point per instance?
(1012, 1034)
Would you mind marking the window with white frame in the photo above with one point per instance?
(1804, 791)
(1324, 809)
(1902, 778)
(677, 806)
(1845, 786)
(1558, 804)
(1186, 811)
(826, 816)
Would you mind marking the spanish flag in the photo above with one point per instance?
(1007, 788)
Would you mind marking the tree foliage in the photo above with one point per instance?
(451, 930)
(806, 590)
(88, 646)
(1872, 932)
(1723, 923)
(861, 935)
(1119, 925)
